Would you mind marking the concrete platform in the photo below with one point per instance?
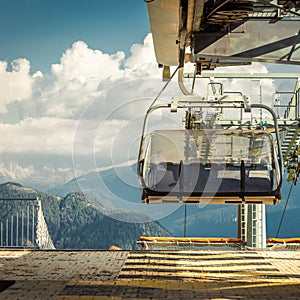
(204, 274)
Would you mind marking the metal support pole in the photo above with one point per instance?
(17, 230)
(256, 227)
(6, 236)
(242, 221)
(12, 230)
(22, 228)
(184, 230)
(1, 234)
(32, 225)
(27, 237)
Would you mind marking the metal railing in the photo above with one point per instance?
(22, 224)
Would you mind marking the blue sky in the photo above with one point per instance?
(41, 30)
(57, 59)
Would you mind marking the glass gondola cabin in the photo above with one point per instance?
(210, 166)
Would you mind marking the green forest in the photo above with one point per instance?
(75, 223)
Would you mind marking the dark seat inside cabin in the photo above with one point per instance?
(195, 177)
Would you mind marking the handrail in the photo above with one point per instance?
(293, 103)
(150, 110)
(263, 106)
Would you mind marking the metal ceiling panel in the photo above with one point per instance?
(254, 40)
(164, 23)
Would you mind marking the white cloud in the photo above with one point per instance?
(15, 85)
(82, 75)
(77, 110)
(80, 64)
(142, 62)
(38, 135)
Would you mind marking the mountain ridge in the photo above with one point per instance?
(209, 220)
(74, 222)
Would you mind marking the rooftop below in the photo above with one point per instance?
(203, 274)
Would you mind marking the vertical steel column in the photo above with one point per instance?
(6, 237)
(1, 244)
(33, 225)
(22, 228)
(256, 228)
(27, 237)
(17, 230)
(242, 221)
(12, 230)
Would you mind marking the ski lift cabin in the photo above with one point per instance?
(211, 166)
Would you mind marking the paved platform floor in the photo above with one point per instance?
(204, 274)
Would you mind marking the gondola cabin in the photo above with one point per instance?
(214, 166)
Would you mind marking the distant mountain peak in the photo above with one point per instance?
(12, 183)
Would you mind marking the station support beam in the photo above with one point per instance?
(252, 225)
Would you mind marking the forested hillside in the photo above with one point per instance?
(74, 223)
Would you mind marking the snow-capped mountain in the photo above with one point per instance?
(36, 176)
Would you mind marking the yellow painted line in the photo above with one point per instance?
(260, 285)
(216, 274)
(247, 287)
(190, 257)
(209, 264)
(207, 259)
(13, 254)
(199, 268)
